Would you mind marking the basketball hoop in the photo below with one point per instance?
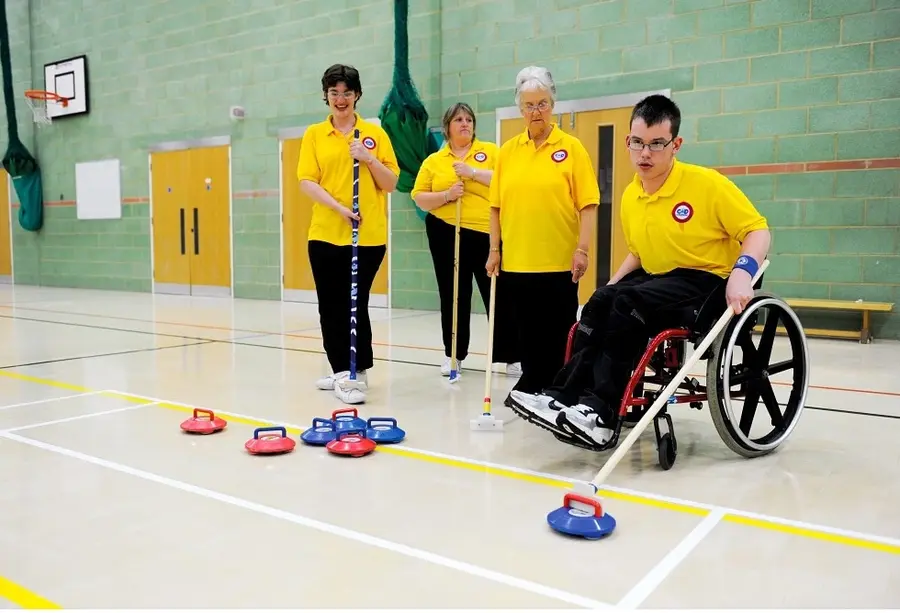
(38, 99)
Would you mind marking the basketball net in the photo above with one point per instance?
(37, 101)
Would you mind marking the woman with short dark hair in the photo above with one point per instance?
(459, 175)
(325, 172)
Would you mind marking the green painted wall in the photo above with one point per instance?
(168, 70)
(760, 82)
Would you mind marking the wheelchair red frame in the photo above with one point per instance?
(672, 357)
(665, 356)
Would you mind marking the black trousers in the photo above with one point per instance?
(545, 306)
(474, 248)
(616, 325)
(331, 272)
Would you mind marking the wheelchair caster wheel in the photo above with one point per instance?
(668, 449)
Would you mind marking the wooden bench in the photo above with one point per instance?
(864, 334)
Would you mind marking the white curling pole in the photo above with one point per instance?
(486, 421)
(454, 334)
(490, 345)
(663, 397)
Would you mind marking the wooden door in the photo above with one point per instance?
(603, 135)
(171, 221)
(510, 128)
(209, 187)
(378, 297)
(296, 214)
(295, 218)
(5, 230)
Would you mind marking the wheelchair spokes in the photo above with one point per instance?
(737, 370)
(741, 362)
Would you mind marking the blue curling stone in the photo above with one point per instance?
(384, 430)
(591, 524)
(320, 433)
(347, 419)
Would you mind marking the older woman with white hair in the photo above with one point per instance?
(544, 197)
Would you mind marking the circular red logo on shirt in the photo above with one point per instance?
(480, 156)
(559, 155)
(682, 212)
(368, 142)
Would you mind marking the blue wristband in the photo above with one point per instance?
(745, 262)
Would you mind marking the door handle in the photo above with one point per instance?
(196, 232)
(182, 231)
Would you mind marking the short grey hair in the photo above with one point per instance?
(534, 78)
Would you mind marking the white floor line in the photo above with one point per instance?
(653, 579)
(48, 400)
(612, 488)
(77, 417)
(360, 537)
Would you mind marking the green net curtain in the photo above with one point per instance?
(22, 167)
(403, 115)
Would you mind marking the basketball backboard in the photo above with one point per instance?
(69, 79)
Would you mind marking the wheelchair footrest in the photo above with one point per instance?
(532, 419)
(560, 434)
(577, 442)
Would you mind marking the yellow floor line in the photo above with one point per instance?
(818, 535)
(452, 462)
(763, 524)
(48, 382)
(22, 597)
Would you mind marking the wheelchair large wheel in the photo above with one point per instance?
(739, 375)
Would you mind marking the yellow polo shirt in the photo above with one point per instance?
(436, 175)
(697, 219)
(325, 159)
(540, 193)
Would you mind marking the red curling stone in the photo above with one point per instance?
(270, 443)
(351, 442)
(203, 425)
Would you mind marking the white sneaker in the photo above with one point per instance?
(582, 422)
(538, 409)
(351, 392)
(446, 365)
(511, 370)
(535, 402)
(327, 382)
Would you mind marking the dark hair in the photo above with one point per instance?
(341, 73)
(451, 112)
(656, 109)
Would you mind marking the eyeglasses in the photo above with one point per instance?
(637, 145)
(348, 95)
(542, 106)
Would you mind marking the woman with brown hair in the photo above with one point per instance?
(459, 175)
(325, 172)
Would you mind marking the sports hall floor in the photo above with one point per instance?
(105, 503)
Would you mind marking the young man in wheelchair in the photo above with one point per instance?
(688, 229)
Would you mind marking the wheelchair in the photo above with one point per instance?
(729, 377)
